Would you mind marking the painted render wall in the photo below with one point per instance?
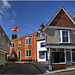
(1, 58)
(39, 48)
(51, 35)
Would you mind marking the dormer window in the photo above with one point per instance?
(64, 36)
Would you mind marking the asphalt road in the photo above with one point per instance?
(23, 68)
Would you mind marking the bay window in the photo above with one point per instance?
(64, 36)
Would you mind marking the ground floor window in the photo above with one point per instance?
(73, 55)
(28, 53)
(12, 54)
(58, 57)
(41, 55)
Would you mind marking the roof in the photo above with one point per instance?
(50, 21)
(33, 34)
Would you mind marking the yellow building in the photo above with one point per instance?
(4, 46)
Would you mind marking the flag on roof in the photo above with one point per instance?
(15, 28)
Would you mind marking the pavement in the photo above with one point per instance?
(43, 68)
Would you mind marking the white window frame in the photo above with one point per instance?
(19, 43)
(28, 53)
(14, 44)
(28, 40)
(69, 40)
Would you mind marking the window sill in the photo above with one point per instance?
(73, 62)
(28, 56)
(60, 63)
(64, 42)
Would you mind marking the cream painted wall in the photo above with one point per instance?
(1, 58)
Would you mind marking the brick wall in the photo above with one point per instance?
(24, 47)
(58, 66)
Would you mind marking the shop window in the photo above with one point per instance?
(58, 57)
(41, 55)
(73, 55)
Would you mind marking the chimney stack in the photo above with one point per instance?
(41, 26)
(13, 36)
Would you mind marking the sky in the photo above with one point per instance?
(28, 15)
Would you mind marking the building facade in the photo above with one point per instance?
(4, 46)
(24, 48)
(60, 39)
(42, 55)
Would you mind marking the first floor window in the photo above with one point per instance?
(12, 44)
(19, 44)
(43, 44)
(28, 53)
(64, 36)
(28, 40)
(58, 57)
(41, 55)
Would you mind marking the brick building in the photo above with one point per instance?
(23, 48)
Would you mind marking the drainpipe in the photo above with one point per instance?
(50, 66)
(35, 49)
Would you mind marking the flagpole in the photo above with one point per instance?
(18, 41)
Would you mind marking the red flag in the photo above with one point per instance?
(15, 28)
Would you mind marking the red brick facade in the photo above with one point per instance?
(24, 47)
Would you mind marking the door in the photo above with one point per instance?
(68, 58)
(19, 55)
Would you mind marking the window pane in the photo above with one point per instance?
(66, 33)
(43, 44)
(26, 41)
(61, 57)
(73, 56)
(29, 40)
(58, 57)
(26, 52)
(63, 33)
(59, 39)
(29, 52)
(58, 33)
(41, 55)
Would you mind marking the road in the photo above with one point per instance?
(23, 68)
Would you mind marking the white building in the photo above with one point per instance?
(42, 55)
